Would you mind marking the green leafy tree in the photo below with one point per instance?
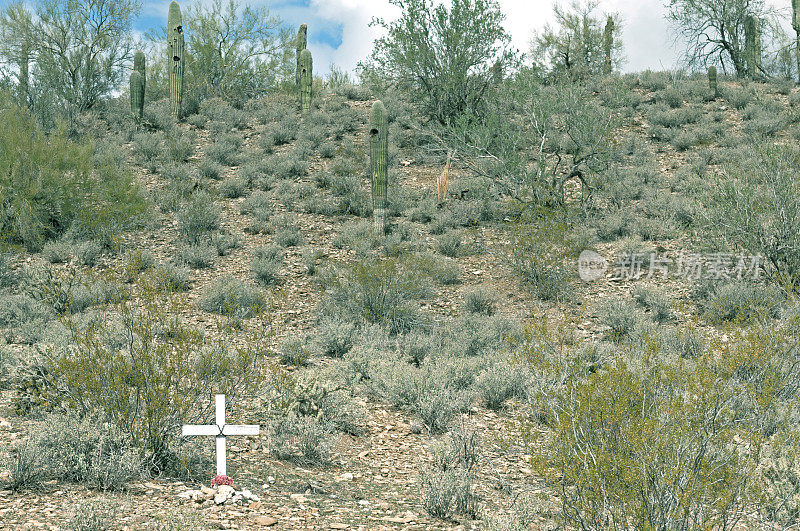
(714, 30)
(236, 53)
(444, 55)
(78, 51)
(575, 46)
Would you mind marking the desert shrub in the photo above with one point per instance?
(447, 485)
(67, 291)
(293, 352)
(538, 258)
(503, 379)
(686, 342)
(740, 302)
(265, 270)
(673, 118)
(198, 218)
(157, 116)
(148, 148)
(52, 183)
(196, 256)
(83, 450)
(57, 252)
(224, 242)
(174, 172)
(756, 206)
(179, 147)
(279, 134)
(287, 166)
(197, 120)
(738, 97)
(620, 417)
(225, 150)
(622, 318)
(479, 301)
(258, 205)
(232, 297)
(303, 440)
(169, 278)
(232, 187)
(285, 229)
(136, 261)
(169, 366)
(671, 96)
(218, 110)
(377, 292)
(335, 336)
(442, 270)
(655, 301)
(449, 244)
(88, 253)
(208, 169)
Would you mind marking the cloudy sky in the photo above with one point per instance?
(339, 31)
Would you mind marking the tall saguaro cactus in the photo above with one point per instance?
(712, 81)
(138, 84)
(752, 37)
(796, 26)
(302, 42)
(608, 44)
(306, 80)
(379, 164)
(176, 47)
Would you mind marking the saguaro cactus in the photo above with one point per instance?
(305, 81)
(752, 36)
(176, 59)
(138, 84)
(796, 26)
(608, 44)
(497, 72)
(379, 164)
(712, 81)
(302, 42)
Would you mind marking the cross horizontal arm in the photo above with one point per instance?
(240, 429)
(208, 429)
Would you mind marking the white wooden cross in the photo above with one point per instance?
(220, 430)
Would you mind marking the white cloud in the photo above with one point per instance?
(645, 33)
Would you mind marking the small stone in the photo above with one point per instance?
(224, 493)
(299, 498)
(265, 520)
(270, 479)
(339, 525)
(347, 476)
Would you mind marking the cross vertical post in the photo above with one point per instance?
(222, 469)
(220, 430)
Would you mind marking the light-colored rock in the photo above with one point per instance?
(299, 498)
(265, 520)
(347, 476)
(224, 493)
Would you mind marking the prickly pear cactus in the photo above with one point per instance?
(176, 47)
(608, 43)
(138, 84)
(302, 42)
(306, 79)
(752, 31)
(712, 81)
(379, 164)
